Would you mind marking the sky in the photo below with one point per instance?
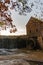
(21, 20)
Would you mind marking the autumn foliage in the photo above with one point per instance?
(5, 17)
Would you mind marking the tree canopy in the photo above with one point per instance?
(5, 17)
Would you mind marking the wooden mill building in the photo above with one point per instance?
(34, 29)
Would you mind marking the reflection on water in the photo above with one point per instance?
(17, 61)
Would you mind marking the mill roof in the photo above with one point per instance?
(33, 19)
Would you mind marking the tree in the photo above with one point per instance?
(5, 17)
(21, 6)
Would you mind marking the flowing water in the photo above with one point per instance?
(17, 61)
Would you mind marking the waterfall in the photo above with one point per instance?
(12, 43)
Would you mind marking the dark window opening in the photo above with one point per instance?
(42, 38)
(30, 31)
(36, 30)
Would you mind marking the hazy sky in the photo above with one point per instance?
(20, 20)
